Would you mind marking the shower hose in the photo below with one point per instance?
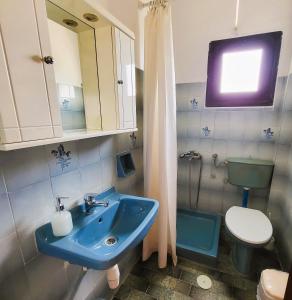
(190, 181)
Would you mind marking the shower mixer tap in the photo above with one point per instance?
(191, 155)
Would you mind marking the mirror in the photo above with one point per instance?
(75, 67)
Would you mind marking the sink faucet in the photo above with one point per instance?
(90, 202)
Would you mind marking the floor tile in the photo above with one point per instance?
(136, 282)
(180, 282)
(123, 292)
(138, 295)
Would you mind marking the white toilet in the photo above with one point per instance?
(272, 285)
(250, 228)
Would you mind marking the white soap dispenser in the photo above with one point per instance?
(62, 220)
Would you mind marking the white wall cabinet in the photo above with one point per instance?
(29, 108)
(116, 65)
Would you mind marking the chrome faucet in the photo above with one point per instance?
(91, 202)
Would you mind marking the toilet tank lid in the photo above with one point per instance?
(274, 283)
(250, 161)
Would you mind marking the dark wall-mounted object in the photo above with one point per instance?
(270, 43)
(125, 164)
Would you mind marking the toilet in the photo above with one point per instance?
(250, 228)
(272, 285)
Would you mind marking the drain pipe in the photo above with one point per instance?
(113, 277)
(245, 197)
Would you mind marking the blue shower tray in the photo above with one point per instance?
(198, 235)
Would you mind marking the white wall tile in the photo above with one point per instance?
(252, 125)
(108, 172)
(32, 203)
(182, 125)
(234, 148)
(221, 127)
(183, 97)
(123, 142)
(68, 185)
(7, 226)
(183, 196)
(288, 95)
(91, 178)
(280, 93)
(220, 147)
(10, 256)
(25, 167)
(137, 155)
(237, 125)
(88, 151)
(192, 120)
(286, 127)
(190, 144)
(2, 183)
(266, 151)
(32, 206)
(27, 243)
(250, 149)
(183, 172)
(107, 146)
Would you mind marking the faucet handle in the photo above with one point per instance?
(89, 198)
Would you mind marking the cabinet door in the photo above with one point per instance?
(125, 68)
(42, 20)
(21, 42)
(9, 128)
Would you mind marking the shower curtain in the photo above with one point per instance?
(160, 145)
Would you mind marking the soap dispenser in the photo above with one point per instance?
(62, 219)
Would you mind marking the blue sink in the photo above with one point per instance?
(99, 240)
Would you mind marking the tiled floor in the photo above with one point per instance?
(146, 281)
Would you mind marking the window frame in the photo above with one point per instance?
(271, 45)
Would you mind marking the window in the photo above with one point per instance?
(243, 71)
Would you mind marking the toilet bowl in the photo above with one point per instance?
(250, 228)
(272, 285)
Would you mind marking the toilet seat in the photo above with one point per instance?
(249, 225)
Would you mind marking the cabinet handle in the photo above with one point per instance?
(49, 60)
(120, 82)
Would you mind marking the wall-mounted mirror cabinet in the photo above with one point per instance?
(64, 66)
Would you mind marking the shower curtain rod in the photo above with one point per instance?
(154, 3)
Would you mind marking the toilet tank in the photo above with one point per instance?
(250, 173)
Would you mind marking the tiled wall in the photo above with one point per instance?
(280, 203)
(242, 132)
(30, 179)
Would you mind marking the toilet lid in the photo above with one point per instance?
(249, 225)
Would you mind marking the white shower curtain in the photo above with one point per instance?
(160, 145)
